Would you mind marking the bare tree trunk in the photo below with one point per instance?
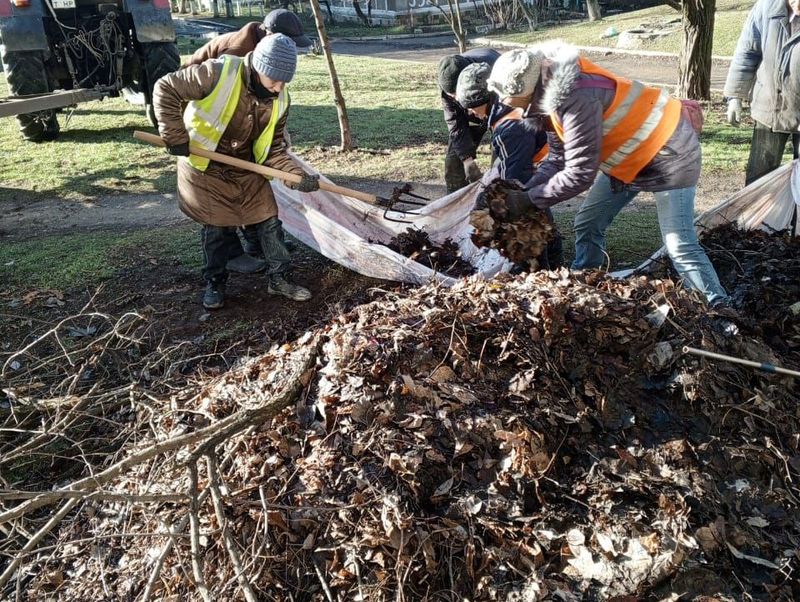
(184, 7)
(328, 8)
(360, 13)
(215, 8)
(456, 24)
(593, 8)
(341, 108)
(694, 79)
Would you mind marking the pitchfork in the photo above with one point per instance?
(388, 205)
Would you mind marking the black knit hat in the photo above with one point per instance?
(472, 89)
(449, 69)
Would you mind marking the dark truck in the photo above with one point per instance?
(57, 53)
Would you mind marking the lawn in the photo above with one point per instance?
(401, 135)
(730, 18)
(396, 122)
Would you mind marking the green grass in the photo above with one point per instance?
(393, 106)
(728, 23)
(89, 258)
(395, 117)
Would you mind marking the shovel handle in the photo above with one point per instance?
(259, 169)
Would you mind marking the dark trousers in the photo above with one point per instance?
(766, 151)
(455, 176)
(222, 243)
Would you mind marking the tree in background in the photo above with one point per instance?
(694, 80)
(593, 9)
(453, 17)
(338, 99)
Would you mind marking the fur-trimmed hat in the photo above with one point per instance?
(516, 73)
(471, 90)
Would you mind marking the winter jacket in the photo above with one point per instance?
(767, 60)
(237, 43)
(515, 142)
(457, 117)
(222, 195)
(572, 165)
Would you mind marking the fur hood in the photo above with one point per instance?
(560, 69)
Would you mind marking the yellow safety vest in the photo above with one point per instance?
(207, 119)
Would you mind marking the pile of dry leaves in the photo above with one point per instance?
(538, 437)
(522, 241)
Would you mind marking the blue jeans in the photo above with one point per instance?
(675, 218)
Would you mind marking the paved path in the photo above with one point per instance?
(651, 69)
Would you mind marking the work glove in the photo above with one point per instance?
(518, 205)
(179, 150)
(309, 183)
(734, 111)
(474, 172)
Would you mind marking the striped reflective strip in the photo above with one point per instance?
(648, 127)
(634, 92)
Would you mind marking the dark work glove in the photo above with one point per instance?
(180, 150)
(481, 202)
(474, 172)
(309, 183)
(518, 205)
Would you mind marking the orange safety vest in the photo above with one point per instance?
(636, 126)
(516, 115)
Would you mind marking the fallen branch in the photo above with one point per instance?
(208, 436)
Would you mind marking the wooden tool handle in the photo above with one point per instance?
(259, 169)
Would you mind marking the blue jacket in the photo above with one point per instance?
(767, 61)
(457, 118)
(515, 142)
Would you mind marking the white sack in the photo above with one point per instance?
(768, 203)
(353, 233)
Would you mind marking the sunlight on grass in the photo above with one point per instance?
(728, 22)
(395, 116)
(88, 258)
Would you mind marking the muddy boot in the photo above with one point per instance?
(214, 297)
(278, 285)
(246, 264)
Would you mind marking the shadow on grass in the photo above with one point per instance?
(379, 127)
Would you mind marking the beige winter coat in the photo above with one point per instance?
(221, 195)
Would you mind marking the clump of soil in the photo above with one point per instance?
(522, 241)
(445, 258)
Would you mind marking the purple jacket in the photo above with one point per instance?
(572, 165)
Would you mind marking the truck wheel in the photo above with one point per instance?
(159, 58)
(26, 74)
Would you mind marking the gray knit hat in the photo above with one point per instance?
(276, 57)
(471, 90)
(516, 73)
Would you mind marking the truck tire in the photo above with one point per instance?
(26, 74)
(159, 59)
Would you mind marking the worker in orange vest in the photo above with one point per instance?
(615, 138)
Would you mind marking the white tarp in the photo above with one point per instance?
(353, 233)
(767, 203)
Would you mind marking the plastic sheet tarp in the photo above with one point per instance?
(354, 234)
(768, 203)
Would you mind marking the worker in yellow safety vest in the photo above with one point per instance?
(615, 138)
(238, 107)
